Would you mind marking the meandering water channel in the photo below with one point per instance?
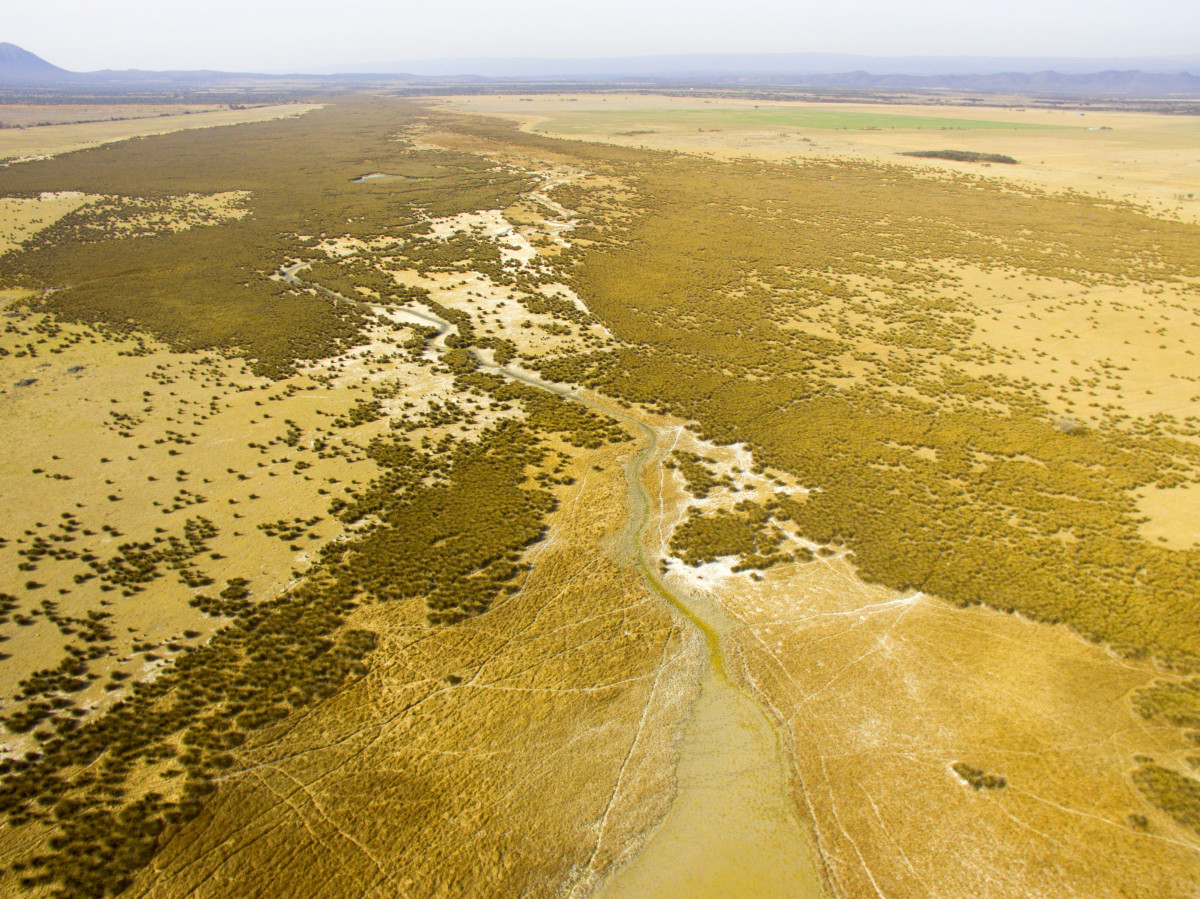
(732, 829)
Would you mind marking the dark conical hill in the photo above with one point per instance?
(19, 66)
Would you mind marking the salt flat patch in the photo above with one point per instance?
(735, 461)
(671, 504)
(498, 312)
(514, 245)
(491, 224)
(341, 247)
(405, 389)
(711, 577)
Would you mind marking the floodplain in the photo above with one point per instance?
(454, 508)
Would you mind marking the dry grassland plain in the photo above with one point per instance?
(84, 127)
(444, 508)
(17, 115)
(1145, 157)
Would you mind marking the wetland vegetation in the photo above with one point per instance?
(350, 335)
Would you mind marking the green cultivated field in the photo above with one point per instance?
(598, 121)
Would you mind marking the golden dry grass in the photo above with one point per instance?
(52, 140)
(505, 710)
(21, 115)
(1146, 157)
(720, 340)
(611, 682)
(880, 693)
(502, 752)
(21, 218)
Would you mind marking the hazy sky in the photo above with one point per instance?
(303, 35)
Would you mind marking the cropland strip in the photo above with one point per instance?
(591, 121)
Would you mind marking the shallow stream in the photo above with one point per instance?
(732, 829)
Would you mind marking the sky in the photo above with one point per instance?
(365, 35)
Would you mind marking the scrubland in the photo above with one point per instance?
(309, 579)
(1145, 157)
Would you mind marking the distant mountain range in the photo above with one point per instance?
(22, 70)
(710, 65)
(1161, 77)
(1124, 84)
